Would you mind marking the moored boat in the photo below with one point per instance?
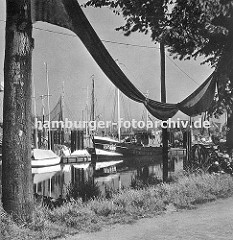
(44, 158)
(133, 149)
(108, 146)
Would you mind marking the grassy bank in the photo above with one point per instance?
(124, 207)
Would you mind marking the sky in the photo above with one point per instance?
(69, 62)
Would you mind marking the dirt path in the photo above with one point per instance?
(209, 221)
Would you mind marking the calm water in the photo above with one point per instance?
(53, 181)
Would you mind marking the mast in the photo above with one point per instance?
(43, 115)
(35, 118)
(86, 118)
(93, 108)
(61, 115)
(62, 101)
(93, 156)
(118, 115)
(48, 102)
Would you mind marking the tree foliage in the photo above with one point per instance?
(189, 29)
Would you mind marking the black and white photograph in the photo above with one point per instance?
(116, 119)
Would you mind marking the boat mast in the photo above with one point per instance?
(94, 157)
(62, 101)
(48, 102)
(61, 115)
(93, 100)
(87, 117)
(35, 118)
(43, 115)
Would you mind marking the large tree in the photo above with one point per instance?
(189, 29)
(16, 164)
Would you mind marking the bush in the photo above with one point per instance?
(139, 183)
(86, 191)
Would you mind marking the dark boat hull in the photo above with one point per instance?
(127, 149)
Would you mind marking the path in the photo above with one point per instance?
(211, 221)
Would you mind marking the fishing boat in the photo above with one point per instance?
(140, 150)
(104, 155)
(138, 146)
(106, 143)
(109, 146)
(103, 147)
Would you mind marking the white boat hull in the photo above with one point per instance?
(44, 158)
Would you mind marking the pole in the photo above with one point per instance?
(63, 101)
(190, 141)
(61, 117)
(50, 186)
(34, 108)
(86, 119)
(43, 117)
(163, 100)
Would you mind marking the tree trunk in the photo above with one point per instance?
(16, 165)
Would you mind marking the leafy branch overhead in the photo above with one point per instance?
(189, 29)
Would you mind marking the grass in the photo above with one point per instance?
(123, 207)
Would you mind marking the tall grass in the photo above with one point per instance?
(124, 207)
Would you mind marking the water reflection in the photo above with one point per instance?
(53, 181)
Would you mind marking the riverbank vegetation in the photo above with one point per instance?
(125, 206)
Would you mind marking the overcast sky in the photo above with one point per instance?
(69, 61)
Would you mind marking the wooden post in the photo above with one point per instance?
(93, 100)
(16, 165)
(163, 100)
(82, 140)
(185, 140)
(189, 139)
(73, 141)
(62, 136)
(78, 140)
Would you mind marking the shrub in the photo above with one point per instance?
(86, 191)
